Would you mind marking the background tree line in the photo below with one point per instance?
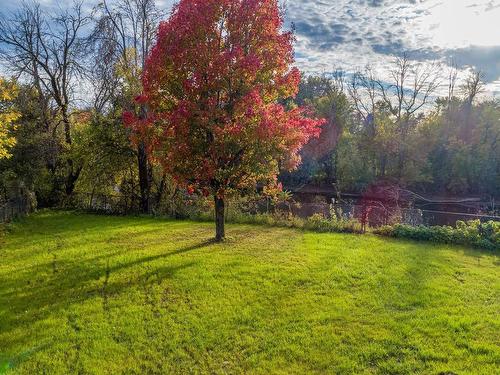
(403, 132)
(74, 74)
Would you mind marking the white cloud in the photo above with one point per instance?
(350, 34)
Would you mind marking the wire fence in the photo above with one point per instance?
(376, 214)
(373, 214)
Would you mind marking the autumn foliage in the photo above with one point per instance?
(8, 116)
(217, 85)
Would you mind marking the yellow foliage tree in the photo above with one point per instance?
(8, 116)
(130, 73)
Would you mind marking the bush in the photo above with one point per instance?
(319, 223)
(471, 233)
(316, 223)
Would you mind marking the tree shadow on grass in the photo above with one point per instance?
(59, 228)
(33, 295)
(51, 231)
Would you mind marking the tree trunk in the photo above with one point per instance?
(144, 181)
(67, 125)
(161, 190)
(145, 172)
(73, 172)
(72, 177)
(71, 183)
(220, 233)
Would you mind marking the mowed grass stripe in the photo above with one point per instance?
(105, 295)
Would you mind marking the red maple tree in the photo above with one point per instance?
(218, 85)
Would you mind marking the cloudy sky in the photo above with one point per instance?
(349, 34)
(353, 33)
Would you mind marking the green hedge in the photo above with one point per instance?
(471, 233)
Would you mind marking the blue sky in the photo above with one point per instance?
(349, 34)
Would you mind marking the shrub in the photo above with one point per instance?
(316, 223)
(472, 233)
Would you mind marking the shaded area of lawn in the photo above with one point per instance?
(94, 294)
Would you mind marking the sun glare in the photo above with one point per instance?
(461, 23)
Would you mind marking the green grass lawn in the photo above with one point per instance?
(82, 294)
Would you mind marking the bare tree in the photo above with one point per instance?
(452, 82)
(103, 56)
(411, 88)
(47, 50)
(123, 35)
(126, 29)
(407, 90)
(471, 89)
(364, 93)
